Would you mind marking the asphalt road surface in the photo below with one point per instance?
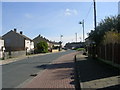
(16, 73)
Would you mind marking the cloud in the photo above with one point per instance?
(69, 12)
(75, 12)
(27, 15)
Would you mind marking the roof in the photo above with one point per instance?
(25, 37)
(39, 36)
(0, 37)
(75, 43)
(54, 42)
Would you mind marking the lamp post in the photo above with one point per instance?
(61, 37)
(83, 28)
(60, 42)
(76, 36)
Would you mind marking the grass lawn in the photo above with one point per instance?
(80, 49)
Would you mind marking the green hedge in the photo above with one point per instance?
(42, 47)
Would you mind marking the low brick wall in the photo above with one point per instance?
(1, 54)
(14, 54)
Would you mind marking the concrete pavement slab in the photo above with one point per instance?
(95, 74)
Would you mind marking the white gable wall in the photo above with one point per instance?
(29, 45)
(1, 45)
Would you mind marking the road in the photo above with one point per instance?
(16, 73)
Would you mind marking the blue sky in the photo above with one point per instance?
(52, 19)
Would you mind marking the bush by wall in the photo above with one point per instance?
(42, 47)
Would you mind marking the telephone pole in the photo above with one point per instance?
(94, 53)
(94, 14)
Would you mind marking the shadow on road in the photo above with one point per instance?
(56, 66)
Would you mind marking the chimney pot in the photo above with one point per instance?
(39, 35)
(21, 32)
(15, 29)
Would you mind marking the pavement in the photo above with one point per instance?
(59, 74)
(94, 74)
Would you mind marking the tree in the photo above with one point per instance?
(42, 47)
(108, 24)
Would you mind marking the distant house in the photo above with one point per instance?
(2, 48)
(39, 38)
(89, 41)
(73, 45)
(15, 41)
(55, 44)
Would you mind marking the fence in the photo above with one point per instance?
(108, 52)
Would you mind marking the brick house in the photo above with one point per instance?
(15, 41)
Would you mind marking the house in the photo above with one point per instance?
(55, 44)
(15, 41)
(41, 38)
(2, 48)
(51, 44)
(74, 45)
(88, 41)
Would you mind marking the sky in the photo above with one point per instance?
(53, 19)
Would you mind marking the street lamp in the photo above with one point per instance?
(61, 37)
(82, 22)
(76, 36)
(60, 42)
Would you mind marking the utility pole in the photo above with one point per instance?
(76, 36)
(83, 28)
(94, 14)
(94, 53)
(83, 31)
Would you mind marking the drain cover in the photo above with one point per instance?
(33, 75)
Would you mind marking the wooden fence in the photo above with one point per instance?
(109, 52)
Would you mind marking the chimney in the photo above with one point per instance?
(39, 35)
(21, 32)
(15, 30)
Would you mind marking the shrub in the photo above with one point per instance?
(111, 37)
(42, 47)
